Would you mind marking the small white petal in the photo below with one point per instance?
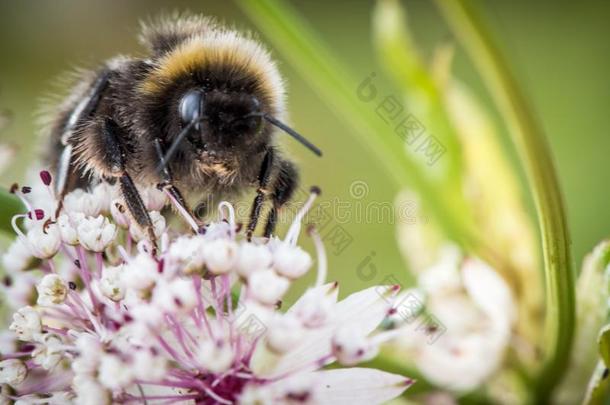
(18, 257)
(351, 347)
(113, 373)
(140, 273)
(220, 255)
(291, 261)
(359, 386)
(284, 333)
(177, 295)
(154, 199)
(90, 392)
(12, 372)
(314, 308)
(366, 309)
(362, 311)
(490, 292)
(216, 357)
(251, 258)
(158, 222)
(267, 287)
(147, 366)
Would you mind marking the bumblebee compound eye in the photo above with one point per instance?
(191, 107)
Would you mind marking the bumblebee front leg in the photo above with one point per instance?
(84, 110)
(115, 155)
(263, 183)
(168, 185)
(283, 189)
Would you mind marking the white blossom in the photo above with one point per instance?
(140, 273)
(482, 331)
(26, 323)
(80, 201)
(147, 366)
(267, 287)
(51, 290)
(215, 356)
(90, 392)
(175, 296)
(187, 253)
(133, 325)
(44, 241)
(252, 257)
(111, 282)
(96, 233)
(154, 199)
(67, 224)
(114, 373)
(49, 351)
(220, 255)
(158, 223)
(285, 332)
(12, 372)
(18, 256)
(291, 261)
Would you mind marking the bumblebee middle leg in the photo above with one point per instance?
(264, 178)
(283, 188)
(114, 151)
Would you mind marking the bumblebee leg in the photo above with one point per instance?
(168, 185)
(263, 182)
(136, 207)
(116, 164)
(84, 110)
(283, 189)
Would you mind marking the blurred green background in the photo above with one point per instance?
(560, 50)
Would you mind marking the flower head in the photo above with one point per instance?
(197, 320)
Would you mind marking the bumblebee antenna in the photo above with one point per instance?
(174, 146)
(274, 121)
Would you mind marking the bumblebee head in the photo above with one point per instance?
(211, 91)
(221, 117)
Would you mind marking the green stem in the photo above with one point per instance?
(534, 152)
(9, 206)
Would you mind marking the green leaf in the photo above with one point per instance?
(597, 391)
(540, 172)
(591, 315)
(9, 206)
(604, 344)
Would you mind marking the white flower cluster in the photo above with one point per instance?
(101, 319)
(450, 355)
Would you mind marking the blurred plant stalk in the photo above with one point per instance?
(543, 183)
(480, 165)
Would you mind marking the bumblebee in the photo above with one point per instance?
(199, 113)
